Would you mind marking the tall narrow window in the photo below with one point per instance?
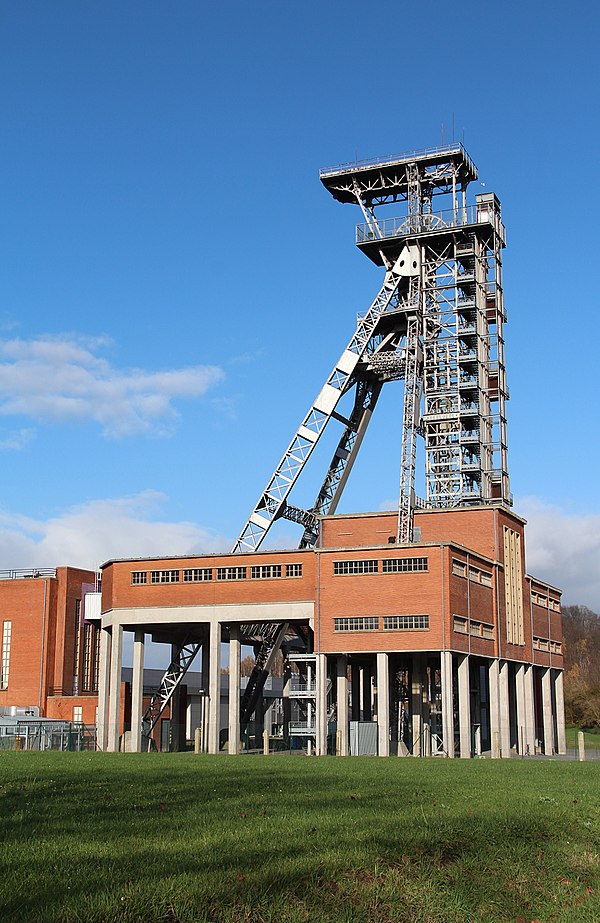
(77, 647)
(513, 587)
(6, 633)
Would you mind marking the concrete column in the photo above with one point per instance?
(447, 702)
(504, 710)
(417, 679)
(214, 687)
(464, 706)
(114, 711)
(103, 688)
(521, 717)
(285, 696)
(547, 713)
(525, 719)
(494, 704)
(355, 684)
(342, 704)
(529, 709)
(321, 706)
(234, 690)
(137, 690)
(559, 697)
(383, 703)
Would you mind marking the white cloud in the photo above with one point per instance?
(563, 549)
(63, 379)
(89, 534)
(16, 440)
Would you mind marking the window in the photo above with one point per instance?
(77, 714)
(138, 577)
(485, 578)
(88, 663)
(460, 625)
(358, 623)
(293, 570)
(403, 565)
(459, 568)
(164, 576)
(77, 647)
(475, 628)
(6, 635)
(197, 574)
(405, 622)
(231, 573)
(513, 587)
(265, 571)
(355, 567)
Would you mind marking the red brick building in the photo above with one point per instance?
(446, 645)
(50, 643)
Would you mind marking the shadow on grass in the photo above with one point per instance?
(228, 840)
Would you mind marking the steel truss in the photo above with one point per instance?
(436, 322)
(181, 660)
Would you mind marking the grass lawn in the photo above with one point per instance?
(158, 837)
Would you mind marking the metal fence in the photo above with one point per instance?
(44, 735)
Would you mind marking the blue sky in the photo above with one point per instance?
(175, 283)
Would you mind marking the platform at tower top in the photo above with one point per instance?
(390, 173)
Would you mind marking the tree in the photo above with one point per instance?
(581, 648)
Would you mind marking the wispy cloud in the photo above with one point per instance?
(17, 440)
(89, 534)
(563, 549)
(63, 379)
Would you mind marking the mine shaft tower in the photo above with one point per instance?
(437, 323)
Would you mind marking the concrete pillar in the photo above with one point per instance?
(494, 705)
(383, 703)
(214, 687)
(504, 709)
(285, 696)
(103, 688)
(447, 702)
(234, 690)
(321, 706)
(521, 717)
(367, 702)
(525, 714)
(547, 713)
(114, 711)
(137, 690)
(342, 705)
(529, 709)
(355, 683)
(464, 706)
(559, 698)
(417, 681)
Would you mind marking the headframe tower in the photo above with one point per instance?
(437, 323)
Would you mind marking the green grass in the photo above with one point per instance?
(98, 838)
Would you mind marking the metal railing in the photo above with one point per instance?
(403, 225)
(408, 156)
(31, 573)
(47, 735)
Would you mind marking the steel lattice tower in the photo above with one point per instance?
(437, 322)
